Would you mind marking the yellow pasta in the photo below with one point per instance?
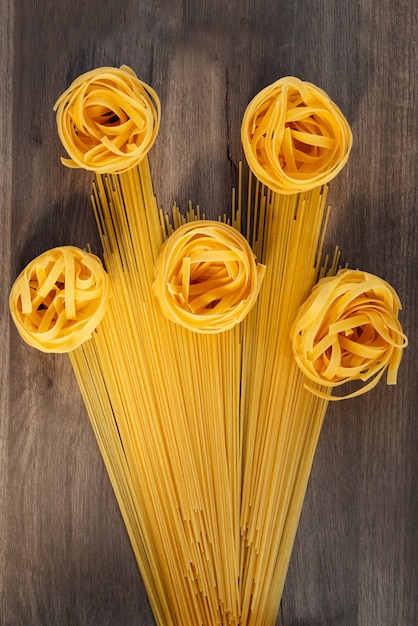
(206, 277)
(348, 330)
(294, 137)
(107, 120)
(281, 421)
(206, 427)
(174, 397)
(59, 299)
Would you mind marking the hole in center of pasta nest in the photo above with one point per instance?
(109, 118)
(212, 305)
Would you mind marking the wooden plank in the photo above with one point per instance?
(64, 554)
(6, 102)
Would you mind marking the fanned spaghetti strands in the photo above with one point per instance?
(194, 378)
(278, 413)
(89, 375)
(59, 298)
(206, 277)
(294, 137)
(348, 330)
(107, 120)
(295, 140)
(174, 397)
(266, 606)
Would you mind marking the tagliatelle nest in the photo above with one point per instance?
(59, 299)
(294, 137)
(206, 277)
(107, 120)
(348, 330)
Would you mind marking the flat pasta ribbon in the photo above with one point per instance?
(348, 330)
(59, 299)
(294, 137)
(206, 277)
(107, 120)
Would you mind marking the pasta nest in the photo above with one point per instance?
(59, 299)
(294, 137)
(107, 120)
(206, 277)
(348, 330)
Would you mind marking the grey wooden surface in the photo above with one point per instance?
(64, 555)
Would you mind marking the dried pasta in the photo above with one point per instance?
(59, 299)
(107, 120)
(281, 421)
(348, 330)
(174, 397)
(206, 425)
(206, 277)
(294, 137)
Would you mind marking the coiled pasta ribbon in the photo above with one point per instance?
(348, 330)
(294, 137)
(59, 299)
(206, 277)
(107, 120)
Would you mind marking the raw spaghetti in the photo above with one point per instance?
(281, 421)
(174, 396)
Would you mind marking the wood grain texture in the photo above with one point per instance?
(65, 558)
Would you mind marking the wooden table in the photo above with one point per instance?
(65, 558)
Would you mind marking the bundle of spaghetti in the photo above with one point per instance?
(281, 419)
(187, 426)
(170, 428)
